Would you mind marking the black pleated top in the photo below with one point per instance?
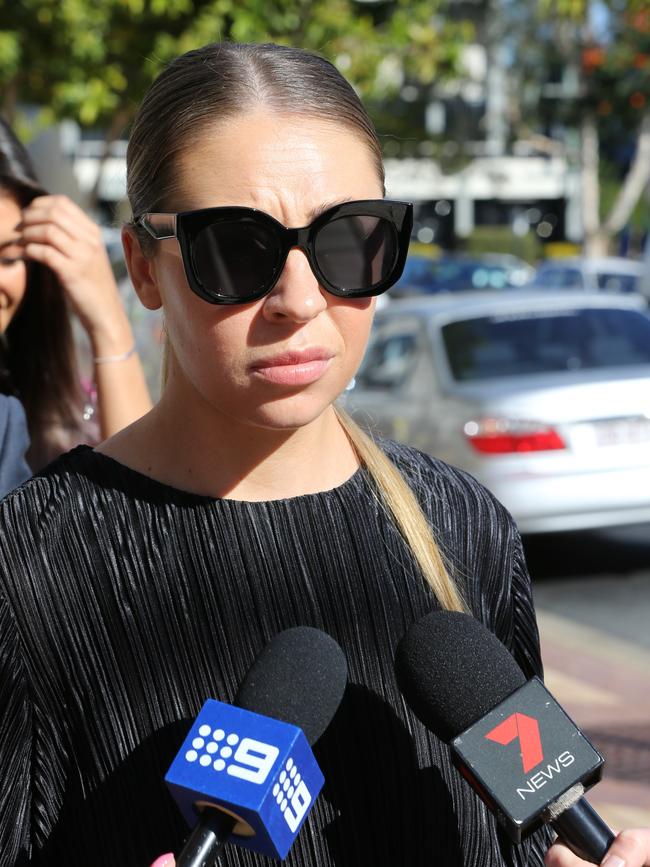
(125, 603)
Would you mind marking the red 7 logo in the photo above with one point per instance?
(526, 730)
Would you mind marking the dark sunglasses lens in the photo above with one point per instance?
(356, 253)
(236, 258)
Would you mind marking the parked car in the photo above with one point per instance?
(458, 273)
(544, 397)
(606, 274)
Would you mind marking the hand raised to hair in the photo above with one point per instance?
(57, 233)
(629, 849)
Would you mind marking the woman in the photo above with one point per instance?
(52, 258)
(159, 564)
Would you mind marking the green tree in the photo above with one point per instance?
(601, 51)
(92, 60)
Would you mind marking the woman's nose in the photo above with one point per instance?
(297, 296)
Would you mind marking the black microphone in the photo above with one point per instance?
(509, 738)
(298, 679)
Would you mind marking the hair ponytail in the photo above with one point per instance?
(406, 512)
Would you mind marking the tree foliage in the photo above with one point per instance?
(92, 60)
(608, 63)
(585, 68)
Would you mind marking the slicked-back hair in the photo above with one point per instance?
(225, 80)
(220, 81)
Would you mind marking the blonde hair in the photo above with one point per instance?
(405, 510)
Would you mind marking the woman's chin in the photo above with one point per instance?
(291, 414)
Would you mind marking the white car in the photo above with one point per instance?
(542, 396)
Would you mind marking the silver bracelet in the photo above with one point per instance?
(109, 359)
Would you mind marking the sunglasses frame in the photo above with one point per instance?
(186, 225)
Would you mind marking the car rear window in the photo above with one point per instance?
(617, 282)
(519, 344)
(388, 360)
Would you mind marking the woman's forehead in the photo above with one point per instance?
(288, 166)
(8, 197)
(9, 211)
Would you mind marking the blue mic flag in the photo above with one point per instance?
(258, 769)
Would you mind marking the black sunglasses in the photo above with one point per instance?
(235, 255)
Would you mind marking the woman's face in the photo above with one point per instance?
(278, 362)
(13, 270)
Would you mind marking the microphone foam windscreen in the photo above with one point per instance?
(452, 671)
(298, 678)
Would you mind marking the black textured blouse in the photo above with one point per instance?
(125, 603)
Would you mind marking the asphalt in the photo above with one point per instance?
(603, 682)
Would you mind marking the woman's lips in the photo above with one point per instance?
(294, 368)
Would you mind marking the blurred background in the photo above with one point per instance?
(520, 129)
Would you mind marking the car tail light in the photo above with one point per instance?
(498, 436)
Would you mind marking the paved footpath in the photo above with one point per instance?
(604, 685)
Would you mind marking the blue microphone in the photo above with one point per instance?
(246, 770)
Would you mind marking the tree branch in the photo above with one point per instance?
(635, 182)
(10, 99)
(543, 143)
(590, 182)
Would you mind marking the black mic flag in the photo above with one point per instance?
(510, 739)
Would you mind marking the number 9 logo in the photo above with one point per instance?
(254, 760)
(297, 807)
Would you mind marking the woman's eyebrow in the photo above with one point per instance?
(9, 242)
(320, 209)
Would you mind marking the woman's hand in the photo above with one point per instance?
(629, 849)
(57, 233)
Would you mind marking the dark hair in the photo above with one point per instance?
(219, 81)
(37, 350)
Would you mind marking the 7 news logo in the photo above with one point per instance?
(525, 729)
(523, 754)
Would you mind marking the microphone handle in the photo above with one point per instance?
(584, 832)
(207, 839)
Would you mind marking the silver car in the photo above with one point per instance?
(542, 396)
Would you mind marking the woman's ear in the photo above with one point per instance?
(141, 270)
